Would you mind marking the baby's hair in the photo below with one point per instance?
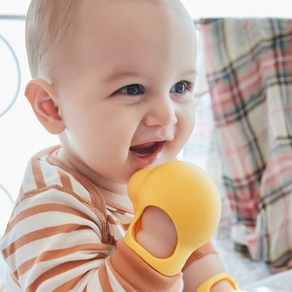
(48, 24)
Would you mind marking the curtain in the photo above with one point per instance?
(248, 65)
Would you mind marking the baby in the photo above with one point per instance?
(114, 80)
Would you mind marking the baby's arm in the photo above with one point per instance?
(202, 265)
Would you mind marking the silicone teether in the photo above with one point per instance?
(191, 199)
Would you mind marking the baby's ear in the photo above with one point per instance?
(136, 182)
(42, 98)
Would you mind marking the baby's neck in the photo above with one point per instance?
(115, 194)
(119, 199)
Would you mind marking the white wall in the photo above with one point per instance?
(20, 133)
(239, 8)
(199, 8)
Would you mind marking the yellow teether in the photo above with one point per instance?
(191, 199)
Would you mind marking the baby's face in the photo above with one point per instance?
(127, 98)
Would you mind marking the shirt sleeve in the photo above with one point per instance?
(54, 243)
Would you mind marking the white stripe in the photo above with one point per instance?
(60, 279)
(28, 182)
(113, 281)
(50, 173)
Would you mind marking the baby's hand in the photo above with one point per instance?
(177, 209)
(157, 233)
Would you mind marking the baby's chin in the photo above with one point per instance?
(162, 158)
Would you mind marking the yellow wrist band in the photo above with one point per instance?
(208, 284)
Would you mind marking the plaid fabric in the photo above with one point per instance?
(249, 73)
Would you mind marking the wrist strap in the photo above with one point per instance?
(208, 284)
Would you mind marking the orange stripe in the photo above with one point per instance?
(58, 253)
(111, 240)
(134, 274)
(42, 209)
(103, 279)
(37, 172)
(111, 220)
(69, 285)
(41, 234)
(55, 271)
(125, 226)
(15, 280)
(65, 179)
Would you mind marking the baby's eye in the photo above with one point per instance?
(133, 89)
(181, 87)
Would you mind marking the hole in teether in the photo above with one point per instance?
(156, 232)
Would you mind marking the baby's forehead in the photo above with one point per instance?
(88, 19)
(89, 15)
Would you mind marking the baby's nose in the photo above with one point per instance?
(162, 112)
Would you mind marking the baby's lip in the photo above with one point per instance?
(146, 153)
(146, 149)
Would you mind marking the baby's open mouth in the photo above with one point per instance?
(146, 149)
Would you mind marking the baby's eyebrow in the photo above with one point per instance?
(118, 74)
(126, 73)
(191, 71)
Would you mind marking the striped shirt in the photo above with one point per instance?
(64, 236)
